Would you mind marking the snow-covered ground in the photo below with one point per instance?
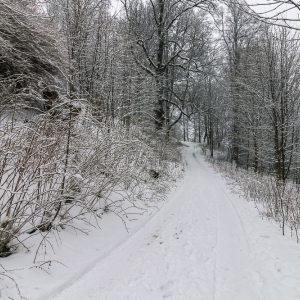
(205, 243)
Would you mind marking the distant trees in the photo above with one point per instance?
(237, 31)
(170, 42)
(84, 27)
(261, 92)
(101, 68)
(277, 94)
(246, 103)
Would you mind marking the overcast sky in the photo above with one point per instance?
(290, 14)
(266, 5)
(116, 5)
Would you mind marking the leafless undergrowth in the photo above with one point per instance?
(65, 165)
(274, 199)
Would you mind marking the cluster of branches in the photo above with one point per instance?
(284, 13)
(30, 56)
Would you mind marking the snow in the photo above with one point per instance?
(204, 243)
(69, 253)
(78, 176)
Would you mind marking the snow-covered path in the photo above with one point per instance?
(196, 247)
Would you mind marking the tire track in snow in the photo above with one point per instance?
(217, 228)
(213, 181)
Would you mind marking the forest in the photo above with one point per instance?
(95, 101)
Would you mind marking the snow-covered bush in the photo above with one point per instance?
(65, 166)
(31, 57)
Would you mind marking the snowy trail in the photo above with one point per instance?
(196, 247)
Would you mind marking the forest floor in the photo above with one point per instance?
(205, 243)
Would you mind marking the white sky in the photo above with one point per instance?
(293, 13)
(266, 5)
(116, 6)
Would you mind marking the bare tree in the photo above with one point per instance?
(169, 39)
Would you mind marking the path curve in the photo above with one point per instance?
(194, 248)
